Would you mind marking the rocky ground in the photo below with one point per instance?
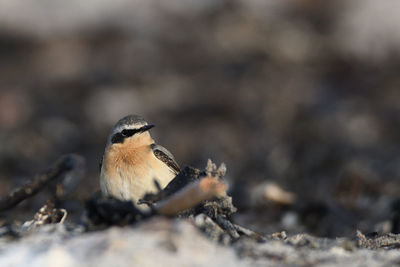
(116, 233)
(172, 242)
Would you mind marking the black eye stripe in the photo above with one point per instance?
(128, 132)
(119, 137)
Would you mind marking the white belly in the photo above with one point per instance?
(133, 182)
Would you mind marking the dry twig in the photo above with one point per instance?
(60, 168)
(191, 195)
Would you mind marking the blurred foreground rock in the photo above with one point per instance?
(166, 242)
(158, 242)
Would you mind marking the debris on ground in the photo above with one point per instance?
(188, 223)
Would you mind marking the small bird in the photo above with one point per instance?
(132, 162)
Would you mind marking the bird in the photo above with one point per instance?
(133, 164)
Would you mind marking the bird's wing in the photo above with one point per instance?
(165, 156)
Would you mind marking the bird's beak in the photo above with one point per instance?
(146, 127)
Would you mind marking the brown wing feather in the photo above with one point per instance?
(165, 156)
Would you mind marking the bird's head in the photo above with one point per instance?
(130, 128)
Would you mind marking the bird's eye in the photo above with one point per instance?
(128, 132)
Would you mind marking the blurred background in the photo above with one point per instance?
(300, 97)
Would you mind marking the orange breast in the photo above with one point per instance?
(124, 156)
(129, 171)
